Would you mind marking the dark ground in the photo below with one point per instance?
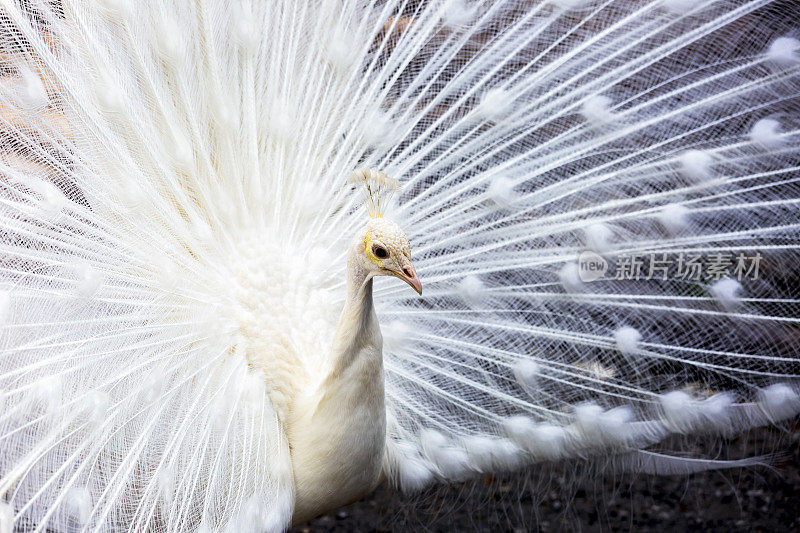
(753, 499)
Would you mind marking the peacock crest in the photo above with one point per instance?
(377, 187)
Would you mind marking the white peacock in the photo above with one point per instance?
(192, 336)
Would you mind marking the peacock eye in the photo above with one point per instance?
(379, 252)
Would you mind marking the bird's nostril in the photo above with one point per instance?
(408, 272)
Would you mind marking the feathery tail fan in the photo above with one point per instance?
(174, 200)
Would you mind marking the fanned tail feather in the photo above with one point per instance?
(153, 155)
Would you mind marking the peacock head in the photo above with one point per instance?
(389, 252)
(386, 250)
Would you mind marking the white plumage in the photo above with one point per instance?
(186, 276)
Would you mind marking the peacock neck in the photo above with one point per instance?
(358, 323)
(345, 417)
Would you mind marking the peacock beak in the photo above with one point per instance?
(409, 275)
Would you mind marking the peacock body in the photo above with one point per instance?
(192, 335)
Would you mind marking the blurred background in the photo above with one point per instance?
(763, 499)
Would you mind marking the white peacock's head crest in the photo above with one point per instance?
(378, 189)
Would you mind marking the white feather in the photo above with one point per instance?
(627, 340)
(717, 411)
(542, 441)
(415, 474)
(779, 401)
(89, 280)
(117, 10)
(570, 278)
(459, 13)
(520, 430)
(47, 393)
(696, 165)
(680, 411)
(31, 91)
(501, 192)
(680, 7)
(597, 110)
(395, 336)
(491, 454)
(684, 414)
(51, 201)
(168, 41)
(495, 104)
(79, 501)
(548, 442)
(726, 292)
(766, 133)
(472, 291)
(96, 405)
(602, 427)
(5, 307)
(571, 4)
(784, 51)
(674, 218)
(244, 30)
(526, 372)
(450, 461)
(110, 98)
(598, 237)
(6, 518)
